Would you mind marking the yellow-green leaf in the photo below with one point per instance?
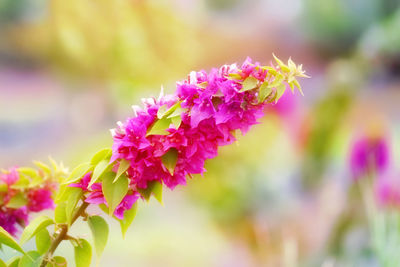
(114, 192)
(129, 215)
(78, 173)
(8, 240)
(83, 253)
(60, 214)
(280, 90)
(73, 199)
(99, 170)
(160, 127)
(30, 259)
(34, 227)
(103, 154)
(17, 201)
(43, 241)
(42, 166)
(169, 160)
(13, 262)
(264, 92)
(153, 187)
(249, 83)
(123, 166)
(99, 228)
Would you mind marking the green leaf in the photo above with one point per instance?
(17, 201)
(34, 227)
(114, 192)
(3, 187)
(163, 112)
(279, 78)
(103, 154)
(281, 64)
(60, 214)
(2, 263)
(83, 253)
(264, 92)
(42, 166)
(297, 84)
(73, 199)
(57, 261)
(99, 228)
(160, 127)
(280, 90)
(28, 171)
(176, 121)
(30, 259)
(153, 187)
(235, 76)
(8, 240)
(169, 160)
(129, 215)
(13, 262)
(123, 166)
(249, 83)
(99, 170)
(22, 183)
(78, 173)
(43, 241)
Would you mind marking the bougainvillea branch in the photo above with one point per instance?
(166, 141)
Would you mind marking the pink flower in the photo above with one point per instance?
(38, 198)
(170, 138)
(213, 108)
(387, 190)
(369, 155)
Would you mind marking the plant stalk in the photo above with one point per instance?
(62, 234)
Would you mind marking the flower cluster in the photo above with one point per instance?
(169, 138)
(19, 196)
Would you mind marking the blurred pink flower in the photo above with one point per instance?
(37, 199)
(387, 190)
(369, 155)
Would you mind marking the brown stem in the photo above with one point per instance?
(63, 234)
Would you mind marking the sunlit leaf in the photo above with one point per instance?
(30, 259)
(99, 228)
(249, 83)
(43, 241)
(83, 253)
(34, 227)
(99, 170)
(73, 199)
(123, 166)
(280, 90)
(114, 192)
(153, 187)
(13, 262)
(42, 166)
(103, 154)
(264, 92)
(8, 240)
(60, 214)
(176, 121)
(129, 215)
(17, 201)
(78, 173)
(160, 127)
(169, 160)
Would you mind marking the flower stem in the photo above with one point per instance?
(63, 234)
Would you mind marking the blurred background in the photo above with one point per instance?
(285, 195)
